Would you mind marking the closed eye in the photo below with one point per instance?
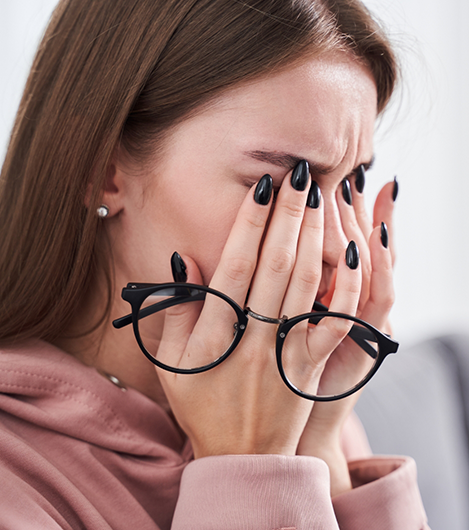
(366, 165)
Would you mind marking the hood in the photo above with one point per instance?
(44, 386)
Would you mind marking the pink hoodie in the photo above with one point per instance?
(76, 451)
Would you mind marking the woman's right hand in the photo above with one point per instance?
(242, 406)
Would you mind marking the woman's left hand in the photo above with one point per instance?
(322, 434)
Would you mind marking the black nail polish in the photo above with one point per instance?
(178, 268)
(352, 256)
(395, 190)
(346, 191)
(263, 190)
(360, 179)
(300, 176)
(314, 196)
(384, 235)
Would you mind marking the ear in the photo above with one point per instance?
(112, 193)
(113, 190)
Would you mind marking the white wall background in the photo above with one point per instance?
(424, 142)
(426, 145)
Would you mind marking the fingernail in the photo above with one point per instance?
(384, 235)
(314, 195)
(346, 191)
(178, 268)
(352, 256)
(360, 179)
(300, 176)
(395, 190)
(263, 190)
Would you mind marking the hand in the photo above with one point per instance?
(242, 405)
(322, 434)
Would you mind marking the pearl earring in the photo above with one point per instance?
(103, 211)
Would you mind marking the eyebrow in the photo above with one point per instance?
(289, 161)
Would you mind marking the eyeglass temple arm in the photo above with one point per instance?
(154, 308)
(358, 334)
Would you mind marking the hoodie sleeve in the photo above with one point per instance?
(255, 491)
(385, 496)
(274, 492)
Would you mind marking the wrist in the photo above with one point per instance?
(331, 453)
(219, 446)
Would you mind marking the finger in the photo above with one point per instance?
(348, 284)
(306, 276)
(358, 201)
(383, 211)
(353, 232)
(278, 254)
(330, 332)
(179, 322)
(381, 297)
(239, 258)
(326, 299)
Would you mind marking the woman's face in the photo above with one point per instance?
(322, 111)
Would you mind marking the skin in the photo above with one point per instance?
(196, 198)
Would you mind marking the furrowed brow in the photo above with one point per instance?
(366, 165)
(288, 161)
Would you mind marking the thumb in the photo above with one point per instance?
(185, 270)
(180, 319)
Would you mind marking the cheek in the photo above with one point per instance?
(205, 237)
(197, 222)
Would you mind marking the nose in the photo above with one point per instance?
(335, 241)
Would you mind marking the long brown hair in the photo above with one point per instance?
(122, 72)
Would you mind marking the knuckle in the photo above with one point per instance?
(280, 261)
(388, 306)
(360, 210)
(308, 279)
(239, 268)
(292, 209)
(338, 327)
(178, 310)
(255, 220)
(384, 300)
(388, 301)
(353, 224)
(314, 227)
(354, 290)
(366, 268)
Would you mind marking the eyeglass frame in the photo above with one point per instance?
(136, 293)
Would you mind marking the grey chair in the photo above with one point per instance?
(418, 405)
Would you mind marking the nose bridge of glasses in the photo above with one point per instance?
(268, 320)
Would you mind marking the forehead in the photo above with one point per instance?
(322, 108)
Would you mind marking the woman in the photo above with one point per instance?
(237, 134)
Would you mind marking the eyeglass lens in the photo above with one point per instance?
(199, 327)
(308, 365)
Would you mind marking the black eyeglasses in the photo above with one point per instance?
(360, 353)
